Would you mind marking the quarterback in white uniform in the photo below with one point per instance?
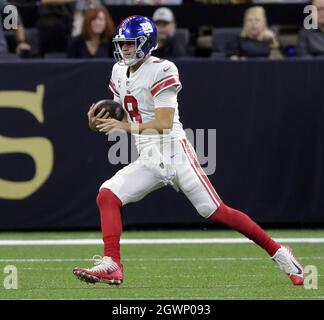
(147, 88)
(148, 93)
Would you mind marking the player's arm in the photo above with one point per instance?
(162, 123)
(165, 104)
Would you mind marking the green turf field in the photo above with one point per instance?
(160, 271)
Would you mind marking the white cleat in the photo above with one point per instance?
(106, 270)
(289, 264)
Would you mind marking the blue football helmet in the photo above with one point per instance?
(138, 30)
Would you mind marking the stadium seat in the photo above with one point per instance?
(220, 38)
(182, 36)
(55, 55)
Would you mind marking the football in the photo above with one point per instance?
(114, 108)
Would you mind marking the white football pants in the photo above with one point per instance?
(178, 166)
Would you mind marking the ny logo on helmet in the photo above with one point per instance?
(147, 27)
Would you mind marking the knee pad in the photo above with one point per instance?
(107, 197)
(206, 209)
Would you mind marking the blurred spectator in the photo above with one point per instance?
(142, 2)
(118, 2)
(280, 1)
(223, 1)
(97, 31)
(80, 7)
(54, 25)
(256, 39)
(311, 42)
(156, 2)
(166, 28)
(22, 47)
(250, 1)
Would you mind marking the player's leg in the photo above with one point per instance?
(130, 184)
(111, 222)
(199, 190)
(207, 202)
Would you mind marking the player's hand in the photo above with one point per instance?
(110, 125)
(93, 120)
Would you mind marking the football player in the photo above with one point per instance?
(147, 88)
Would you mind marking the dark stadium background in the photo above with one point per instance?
(268, 115)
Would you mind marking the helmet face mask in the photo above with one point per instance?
(138, 54)
(139, 31)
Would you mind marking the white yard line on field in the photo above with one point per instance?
(156, 259)
(81, 242)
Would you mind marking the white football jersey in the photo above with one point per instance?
(135, 93)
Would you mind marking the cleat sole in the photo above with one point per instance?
(88, 278)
